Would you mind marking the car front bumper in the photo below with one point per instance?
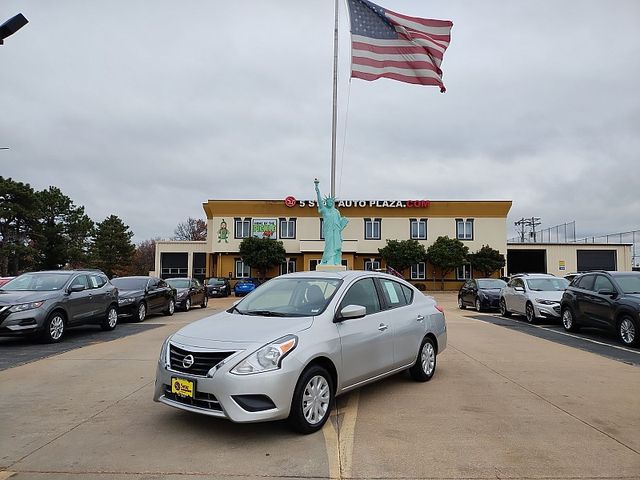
(22, 323)
(548, 311)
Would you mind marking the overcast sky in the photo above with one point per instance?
(146, 109)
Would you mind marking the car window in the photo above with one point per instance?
(518, 282)
(37, 281)
(362, 293)
(603, 283)
(585, 282)
(100, 280)
(551, 284)
(494, 283)
(162, 284)
(153, 283)
(195, 283)
(80, 280)
(392, 293)
(629, 282)
(92, 280)
(408, 294)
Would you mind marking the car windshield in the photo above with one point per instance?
(179, 282)
(37, 281)
(547, 284)
(215, 281)
(289, 297)
(491, 283)
(629, 283)
(130, 283)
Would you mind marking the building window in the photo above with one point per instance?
(372, 228)
(418, 228)
(242, 269)
(372, 264)
(288, 267)
(287, 228)
(463, 272)
(242, 228)
(418, 271)
(464, 229)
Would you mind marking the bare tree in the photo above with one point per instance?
(144, 260)
(191, 229)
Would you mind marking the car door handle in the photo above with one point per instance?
(382, 327)
(419, 318)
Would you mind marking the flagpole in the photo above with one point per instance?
(335, 103)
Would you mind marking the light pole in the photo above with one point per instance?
(11, 26)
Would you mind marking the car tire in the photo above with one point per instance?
(53, 328)
(628, 331)
(205, 301)
(312, 401)
(141, 313)
(187, 304)
(503, 308)
(171, 308)
(425, 366)
(478, 305)
(569, 320)
(530, 313)
(110, 319)
(461, 304)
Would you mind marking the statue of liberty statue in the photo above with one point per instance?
(332, 225)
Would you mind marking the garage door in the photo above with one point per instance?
(596, 260)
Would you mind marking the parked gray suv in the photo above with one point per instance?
(47, 303)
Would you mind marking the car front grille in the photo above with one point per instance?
(556, 308)
(207, 401)
(202, 361)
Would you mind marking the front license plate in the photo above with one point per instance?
(182, 387)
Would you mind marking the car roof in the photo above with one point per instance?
(532, 275)
(341, 275)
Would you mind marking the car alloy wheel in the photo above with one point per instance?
(530, 313)
(187, 304)
(111, 319)
(461, 305)
(205, 301)
(627, 331)
(503, 308)
(567, 320)
(55, 328)
(171, 308)
(142, 312)
(478, 305)
(425, 365)
(315, 400)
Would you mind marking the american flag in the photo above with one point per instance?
(399, 47)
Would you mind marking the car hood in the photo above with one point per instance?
(548, 295)
(490, 292)
(130, 293)
(181, 290)
(225, 328)
(11, 298)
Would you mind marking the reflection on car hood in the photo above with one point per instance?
(11, 298)
(547, 295)
(490, 292)
(235, 328)
(130, 293)
(181, 290)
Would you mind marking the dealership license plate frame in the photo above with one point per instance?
(181, 381)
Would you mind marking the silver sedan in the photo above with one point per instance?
(290, 347)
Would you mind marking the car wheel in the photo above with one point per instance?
(53, 328)
(425, 365)
(628, 331)
(187, 304)
(568, 320)
(312, 400)
(111, 319)
(530, 313)
(142, 312)
(503, 308)
(478, 305)
(171, 307)
(205, 301)
(461, 304)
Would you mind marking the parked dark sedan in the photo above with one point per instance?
(244, 286)
(218, 287)
(605, 300)
(481, 293)
(139, 296)
(190, 292)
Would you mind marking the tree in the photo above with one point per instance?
(191, 229)
(112, 250)
(262, 253)
(18, 220)
(64, 232)
(144, 258)
(401, 254)
(486, 260)
(447, 254)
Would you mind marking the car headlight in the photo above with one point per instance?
(542, 301)
(26, 306)
(125, 301)
(164, 357)
(267, 358)
(182, 295)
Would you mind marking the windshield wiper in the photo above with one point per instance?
(266, 313)
(234, 308)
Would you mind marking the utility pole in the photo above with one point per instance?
(533, 223)
(521, 223)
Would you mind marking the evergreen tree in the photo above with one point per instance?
(262, 253)
(447, 254)
(487, 260)
(401, 254)
(112, 250)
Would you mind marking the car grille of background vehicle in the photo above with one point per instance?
(208, 401)
(202, 361)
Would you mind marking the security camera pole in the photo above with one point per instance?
(11, 26)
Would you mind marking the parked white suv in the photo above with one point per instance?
(534, 295)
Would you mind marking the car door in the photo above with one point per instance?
(471, 292)
(79, 303)
(407, 319)
(367, 342)
(166, 294)
(584, 298)
(519, 297)
(198, 291)
(602, 305)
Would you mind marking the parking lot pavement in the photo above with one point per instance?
(503, 404)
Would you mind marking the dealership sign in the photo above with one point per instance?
(292, 202)
(264, 228)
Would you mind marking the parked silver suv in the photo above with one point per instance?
(534, 295)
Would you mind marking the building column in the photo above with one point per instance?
(190, 264)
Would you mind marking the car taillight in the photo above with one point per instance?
(440, 309)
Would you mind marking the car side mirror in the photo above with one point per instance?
(519, 289)
(606, 291)
(75, 288)
(350, 312)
